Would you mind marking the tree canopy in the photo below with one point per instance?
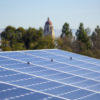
(66, 31)
(82, 36)
(20, 38)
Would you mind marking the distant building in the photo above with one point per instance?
(48, 29)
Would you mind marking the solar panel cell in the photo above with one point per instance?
(17, 77)
(29, 81)
(92, 97)
(61, 90)
(96, 88)
(14, 92)
(73, 80)
(87, 83)
(77, 94)
(81, 72)
(60, 76)
(44, 85)
(4, 87)
(9, 92)
(32, 69)
(6, 72)
(93, 75)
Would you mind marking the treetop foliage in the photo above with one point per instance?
(66, 31)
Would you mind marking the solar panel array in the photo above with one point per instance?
(48, 74)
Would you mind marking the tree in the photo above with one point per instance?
(97, 30)
(82, 36)
(18, 46)
(32, 35)
(40, 32)
(45, 43)
(5, 45)
(64, 43)
(66, 31)
(96, 38)
(88, 31)
(19, 34)
(29, 37)
(8, 34)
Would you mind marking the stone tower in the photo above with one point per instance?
(48, 29)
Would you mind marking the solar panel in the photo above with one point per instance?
(52, 73)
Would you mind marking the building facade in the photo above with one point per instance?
(48, 29)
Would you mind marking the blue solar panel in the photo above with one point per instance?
(9, 92)
(53, 73)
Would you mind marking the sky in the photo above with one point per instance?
(34, 13)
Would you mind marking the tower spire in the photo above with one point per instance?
(48, 29)
(48, 19)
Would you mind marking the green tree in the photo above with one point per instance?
(19, 34)
(96, 38)
(45, 43)
(32, 35)
(29, 37)
(64, 43)
(66, 31)
(18, 46)
(40, 32)
(8, 33)
(5, 45)
(82, 36)
(88, 31)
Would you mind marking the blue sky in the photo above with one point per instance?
(34, 13)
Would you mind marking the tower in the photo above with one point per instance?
(48, 29)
